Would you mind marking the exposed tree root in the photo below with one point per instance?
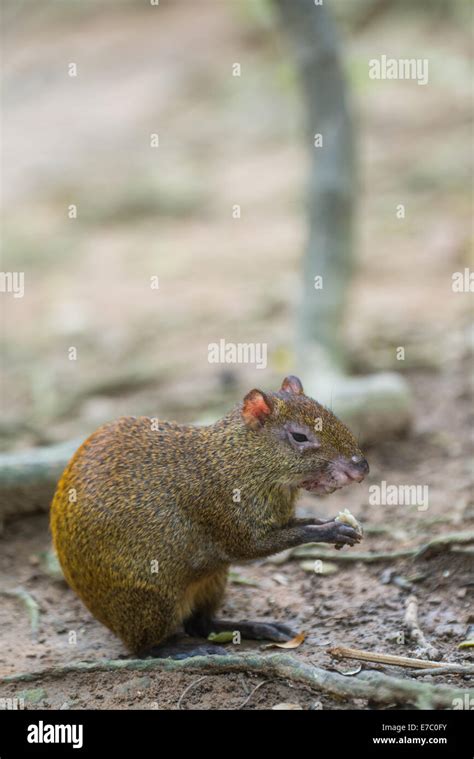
(444, 542)
(439, 544)
(374, 686)
(446, 669)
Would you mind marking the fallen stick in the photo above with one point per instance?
(341, 652)
(374, 686)
(414, 632)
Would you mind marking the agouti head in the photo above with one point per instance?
(308, 445)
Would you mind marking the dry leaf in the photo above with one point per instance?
(293, 643)
(286, 707)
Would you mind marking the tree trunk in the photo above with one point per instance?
(331, 183)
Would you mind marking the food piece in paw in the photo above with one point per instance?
(347, 518)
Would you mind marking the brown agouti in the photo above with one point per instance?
(149, 515)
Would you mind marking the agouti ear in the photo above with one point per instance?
(292, 384)
(256, 409)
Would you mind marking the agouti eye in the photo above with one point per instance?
(299, 437)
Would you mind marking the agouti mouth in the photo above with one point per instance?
(322, 486)
(341, 472)
(318, 487)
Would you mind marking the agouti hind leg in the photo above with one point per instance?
(202, 621)
(206, 595)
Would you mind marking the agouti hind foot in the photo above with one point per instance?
(201, 626)
(183, 650)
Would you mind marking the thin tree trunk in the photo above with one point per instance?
(331, 183)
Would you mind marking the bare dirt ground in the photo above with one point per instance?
(90, 288)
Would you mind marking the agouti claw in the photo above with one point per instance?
(348, 535)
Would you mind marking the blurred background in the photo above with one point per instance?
(167, 212)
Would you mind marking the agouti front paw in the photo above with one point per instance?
(335, 532)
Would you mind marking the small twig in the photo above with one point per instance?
(375, 686)
(186, 690)
(341, 652)
(244, 703)
(30, 605)
(414, 631)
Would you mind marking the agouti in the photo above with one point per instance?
(149, 515)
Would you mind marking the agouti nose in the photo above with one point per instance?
(361, 464)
